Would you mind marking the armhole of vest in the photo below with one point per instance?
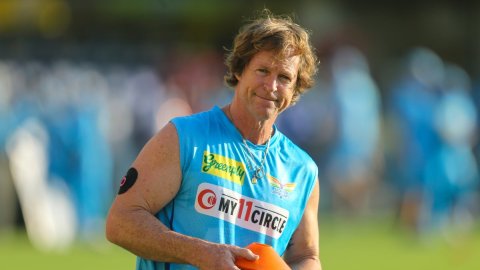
(172, 215)
(170, 226)
(181, 157)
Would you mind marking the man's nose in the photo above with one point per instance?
(271, 83)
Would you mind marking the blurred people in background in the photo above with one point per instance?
(47, 208)
(57, 151)
(145, 92)
(413, 102)
(195, 77)
(354, 166)
(78, 152)
(451, 174)
(434, 166)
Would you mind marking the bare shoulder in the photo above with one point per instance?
(158, 172)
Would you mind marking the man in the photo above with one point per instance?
(209, 184)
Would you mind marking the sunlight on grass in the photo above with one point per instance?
(379, 245)
(18, 253)
(345, 245)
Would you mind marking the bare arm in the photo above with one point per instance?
(131, 222)
(303, 250)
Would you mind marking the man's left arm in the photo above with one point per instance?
(303, 250)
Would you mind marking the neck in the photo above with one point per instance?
(257, 132)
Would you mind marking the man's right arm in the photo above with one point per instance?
(131, 222)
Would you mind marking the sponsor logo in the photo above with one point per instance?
(223, 167)
(279, 189)
(207, 199)
(245, 212)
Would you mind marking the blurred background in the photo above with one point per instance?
(392, 121)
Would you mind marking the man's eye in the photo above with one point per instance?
(285, 79)
(262, 71)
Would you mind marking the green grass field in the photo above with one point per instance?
(344, 245)
(379, 245)
(16, 253)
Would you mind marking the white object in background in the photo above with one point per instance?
(48, 212)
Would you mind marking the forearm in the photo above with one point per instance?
(312, 263)
(145, 236)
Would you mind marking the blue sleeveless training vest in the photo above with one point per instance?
(217, 200)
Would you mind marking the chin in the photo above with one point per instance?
(268, 114)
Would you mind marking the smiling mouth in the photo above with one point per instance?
(267, 98)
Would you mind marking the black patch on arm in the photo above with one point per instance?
(128, 180)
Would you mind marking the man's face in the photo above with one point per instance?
(267, 83)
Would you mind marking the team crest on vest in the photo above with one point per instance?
(281, 190)
(223, 167)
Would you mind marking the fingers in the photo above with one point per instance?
(246, 253)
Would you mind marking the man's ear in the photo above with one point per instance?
(238, 76)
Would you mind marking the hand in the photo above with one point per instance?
(222, 257)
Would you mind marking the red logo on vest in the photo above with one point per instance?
(207, 199)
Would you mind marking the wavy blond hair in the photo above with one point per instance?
(273, 33)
